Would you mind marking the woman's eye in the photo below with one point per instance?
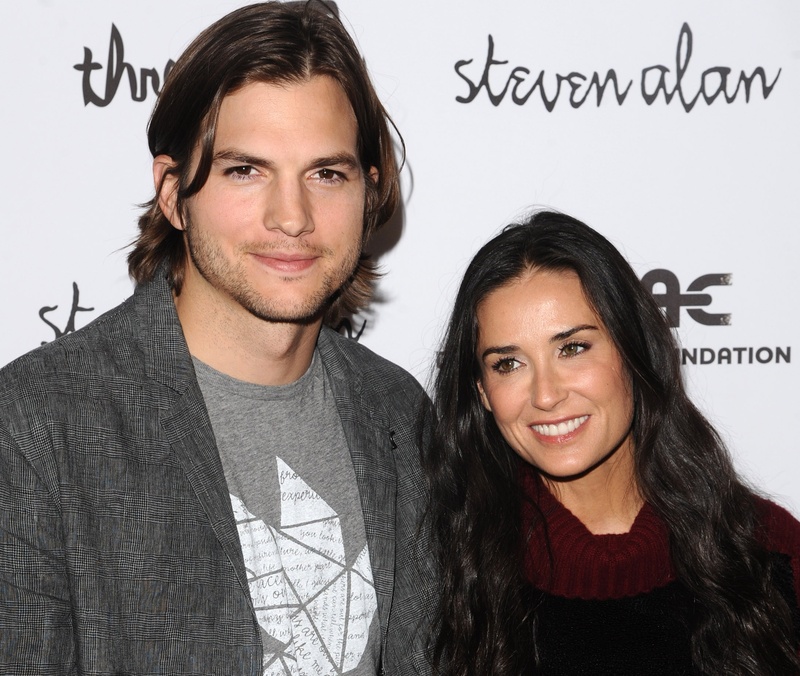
(573, 349)
(505, 365)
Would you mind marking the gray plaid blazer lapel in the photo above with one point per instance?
(366, 428)
(185, 419)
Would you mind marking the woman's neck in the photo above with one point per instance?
(606, 500)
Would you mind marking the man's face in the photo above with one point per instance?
(277, 228)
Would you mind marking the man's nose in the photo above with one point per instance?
(288, 208)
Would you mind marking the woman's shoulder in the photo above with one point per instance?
(780, 534)
(780, 530)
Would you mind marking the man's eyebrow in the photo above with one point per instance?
(238, 157)
(347, 160)
(339, 159)
(570, 332)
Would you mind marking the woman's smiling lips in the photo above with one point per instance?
(560, 431)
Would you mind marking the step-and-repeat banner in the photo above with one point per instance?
(671, 127)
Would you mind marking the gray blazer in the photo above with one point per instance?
(119, 551)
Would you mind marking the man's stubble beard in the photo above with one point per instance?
(230, 277)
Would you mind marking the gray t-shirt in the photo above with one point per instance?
(296, 503)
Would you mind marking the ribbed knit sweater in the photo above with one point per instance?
(612, 605)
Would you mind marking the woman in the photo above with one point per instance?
(590, 519)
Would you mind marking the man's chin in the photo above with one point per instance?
(304, 313)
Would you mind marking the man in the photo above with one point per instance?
(205, 480)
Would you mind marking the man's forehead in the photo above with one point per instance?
(319, 96)
(312, 117)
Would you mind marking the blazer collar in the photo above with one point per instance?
(166, 355)
(184, 418)
(369, 437)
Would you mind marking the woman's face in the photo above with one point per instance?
(553, 379)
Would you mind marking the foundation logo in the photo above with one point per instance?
(666, 290)
(672, 300)
(69, 327)
(674, 84)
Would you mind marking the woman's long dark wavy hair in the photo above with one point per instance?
(742, 625)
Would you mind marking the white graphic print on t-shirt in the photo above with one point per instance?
(304, 594)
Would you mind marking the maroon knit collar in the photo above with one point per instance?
(591, 566)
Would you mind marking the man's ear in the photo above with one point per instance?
(373, 174)
(484, 398)
(166, 184)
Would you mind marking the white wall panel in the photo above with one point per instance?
(709, 190)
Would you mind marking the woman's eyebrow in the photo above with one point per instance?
(562, 335)
(505, 349)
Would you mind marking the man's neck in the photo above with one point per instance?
(248, 348)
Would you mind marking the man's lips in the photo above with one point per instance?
(560, 429)
(287, 262)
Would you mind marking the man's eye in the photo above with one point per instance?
(329, 176)
(241, 172)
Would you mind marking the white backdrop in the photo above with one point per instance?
(679, 183)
